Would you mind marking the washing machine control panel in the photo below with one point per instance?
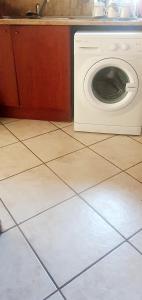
(129, 46)
(123, 46)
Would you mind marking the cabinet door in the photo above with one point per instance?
(8, 84)
(42, 55)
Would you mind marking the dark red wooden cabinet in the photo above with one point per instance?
(8, 84)
(42, 56)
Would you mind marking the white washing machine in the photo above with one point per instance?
(108, 82)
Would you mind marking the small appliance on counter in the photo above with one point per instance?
(139, 8)
(99, 9)
(112, 9)
(128, 9)
(117, 9)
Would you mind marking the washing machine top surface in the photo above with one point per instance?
(109, 34)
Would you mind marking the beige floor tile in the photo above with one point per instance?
(56, 296)
(52, 145)
(137, 138)
(62, 124)
(21, 275)
(120, 150)
(8, 120)
(83, 169)
(85, 137)
(15, 159)
(119, 201)
(40, 188)
(70, 237)
(25, 129)
(117, 276)
(5, 218)
(6, 138)
(136, 172)
(137, 241)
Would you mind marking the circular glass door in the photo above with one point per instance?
(111, 84)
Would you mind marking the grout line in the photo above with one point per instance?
(105, 158)
(133, 235)
(135, 140)
(134, 247)
(9, 122)
(104, 180)
(84, 143)
(21, 172)
(108, 138)
(8, 229)
(93, 264)
(56, 158)
(38, 135)
(45, 210)
(36, 154)
(106, 221)
(70, 123)
(13, 143)
(136, 179)
(33, 250)
(123, 170)
(48, 297)
(133, 166)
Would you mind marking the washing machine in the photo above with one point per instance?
(108, 82)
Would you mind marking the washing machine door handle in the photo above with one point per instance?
(130, 86)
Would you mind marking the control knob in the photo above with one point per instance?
(113, 47)
(125, 47)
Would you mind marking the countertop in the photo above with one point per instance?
(71, 21)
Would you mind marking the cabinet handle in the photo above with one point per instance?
(16, 32)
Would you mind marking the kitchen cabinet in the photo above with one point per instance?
(42, 56)
(8, 84)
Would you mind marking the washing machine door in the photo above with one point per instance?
(111, 84)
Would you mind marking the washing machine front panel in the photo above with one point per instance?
(110, 84)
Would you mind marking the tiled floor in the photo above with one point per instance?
(71, 211)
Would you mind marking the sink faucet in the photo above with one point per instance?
(40, 8)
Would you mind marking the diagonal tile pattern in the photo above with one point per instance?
(137, 241)
(120, 150)
(136, 172)
(119, 200)
(138, 138)
(85, 137)
(56, 296)
(16, 158)
(25, 129)
(5, 218)
(52, 145)
(40, 188)
(69, 238)
(118, 276)
(83, 169)
(21, 274)
(6, 138)
(77, 197)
